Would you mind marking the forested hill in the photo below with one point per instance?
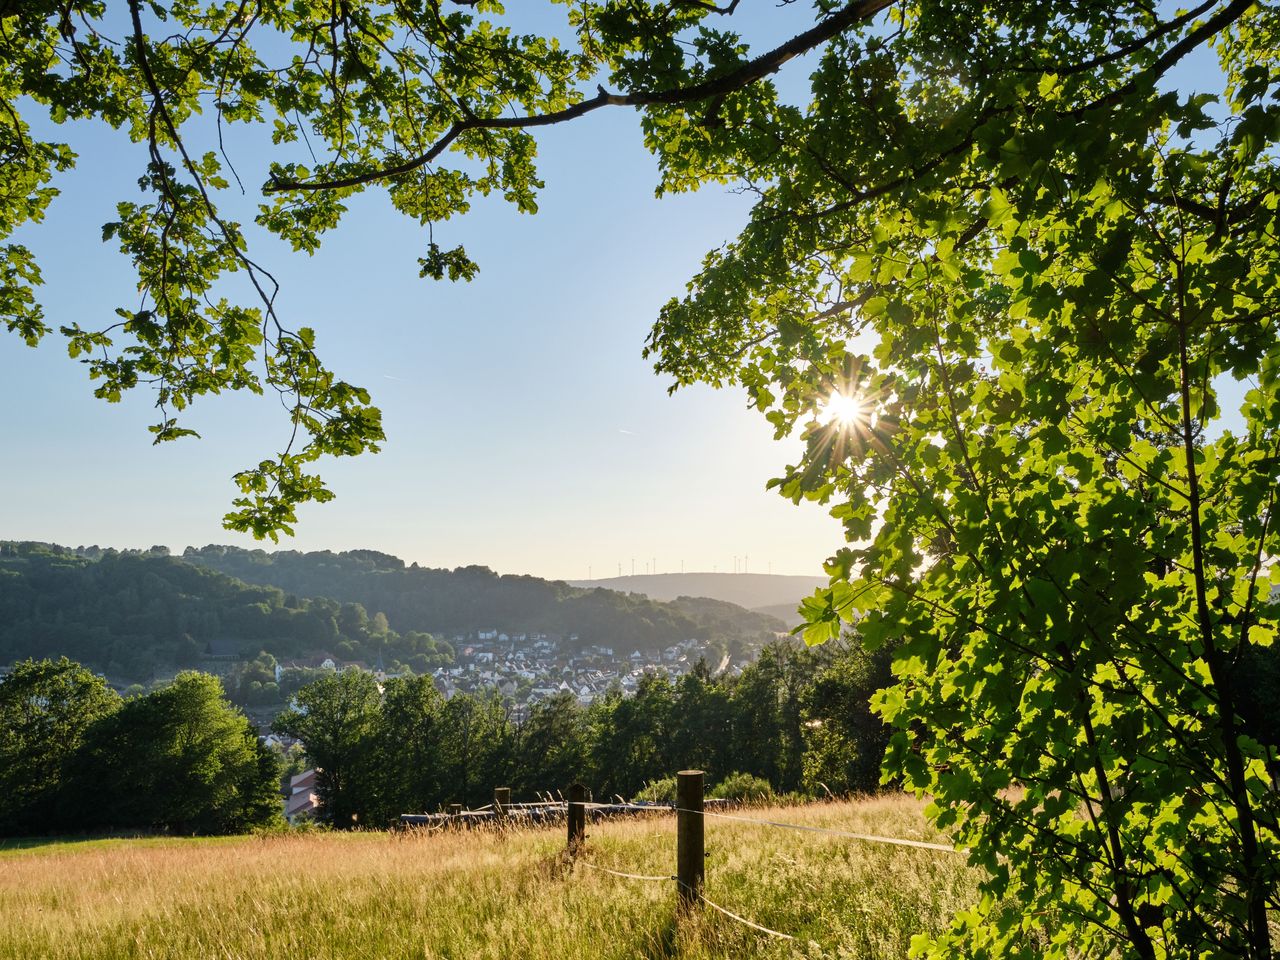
(137, 613)
(750, 590)
(471, 598)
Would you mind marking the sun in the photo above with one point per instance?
(841, 409)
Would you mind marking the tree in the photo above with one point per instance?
(550, 747)
(1033, 267)
(767, 738)
(844, 739)
(477, 748)
(631, 737)
(180, 758)
(1037, 270)
(407, 748)
(336, 718)
(46, 707)
(417, 100)
(703, 717)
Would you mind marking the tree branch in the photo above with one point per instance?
(748, 73)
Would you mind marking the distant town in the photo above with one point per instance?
(528, 668)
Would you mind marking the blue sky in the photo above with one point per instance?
(525, 432)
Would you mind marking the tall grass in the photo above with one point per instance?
(485, 894)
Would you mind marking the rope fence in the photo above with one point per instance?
(578, 861)
(690, 810)
(743, 920)
(871, 838)
(696, 893)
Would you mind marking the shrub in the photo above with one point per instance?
(658, 791)
(743, 787)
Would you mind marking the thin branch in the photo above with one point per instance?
(747, 74)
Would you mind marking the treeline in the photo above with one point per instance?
(798, 719)
(138, 614)
(449, 601)
(76, 758)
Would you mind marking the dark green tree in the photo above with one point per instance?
(631, 737)
(46, 709)
(551, 747)
(478, 748)
(844, 739)
(701, 723)
(766, 736)
(180, 759)
(336, 718)
(407, 749)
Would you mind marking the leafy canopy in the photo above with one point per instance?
(1038, 263)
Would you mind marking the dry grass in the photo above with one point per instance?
(483, 894)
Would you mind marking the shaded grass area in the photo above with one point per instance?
(485, 894)
(45, 846)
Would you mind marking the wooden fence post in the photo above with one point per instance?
(577, 816)
(455, 809)
(690, 848)
(501, 800)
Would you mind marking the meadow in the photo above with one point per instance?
(485, 893)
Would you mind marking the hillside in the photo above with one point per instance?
(471, 598)
(788, 613)
(750, 590)
(486, 895)
(137, 614)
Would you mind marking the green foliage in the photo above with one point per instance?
(658, 791)
(76, 758)
(46, 709)
(180, 759)
(137, 614)
(743, 787)
(550, 747)
(844, 740)
(337, 718)
(406, 751)
(409, 751)
(1040, 266)
(1042, 271)
(448, 601)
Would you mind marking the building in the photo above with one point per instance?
(302, 802)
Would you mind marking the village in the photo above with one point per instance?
(528, 668)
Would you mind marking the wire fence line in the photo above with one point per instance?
(896, 841)
(781, 824)
(758, 821)
(578, 861)
(689, 803)
(743, 920)
(697, 893)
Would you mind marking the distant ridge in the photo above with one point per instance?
(140, 613)
(750, 590)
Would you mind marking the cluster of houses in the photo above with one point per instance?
(529, 668)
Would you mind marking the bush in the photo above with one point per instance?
(658, 791)
(743, 787)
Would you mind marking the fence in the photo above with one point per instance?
(691, 809)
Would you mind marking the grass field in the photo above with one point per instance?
(483, 894)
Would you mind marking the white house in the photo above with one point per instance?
(302, 800)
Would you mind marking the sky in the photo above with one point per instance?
(524, 430)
